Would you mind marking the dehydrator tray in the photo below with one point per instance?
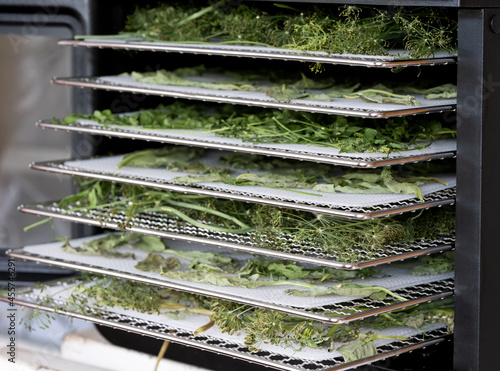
(167, 227)
(396, 58)
(440, 149)
(416, 289)
(340, 106)
(355, 206)
(53, 299)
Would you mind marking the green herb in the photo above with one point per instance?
(285, 91)
(208, 261)
(363, 347)
(270, 126)
(172, 158)
(435, 264)
(272, 228)
(105, 246)
(347, 289)
(336, 29)
(260, 267)
(260, 326)
(158, 263)
(376, 181)
(282, 272)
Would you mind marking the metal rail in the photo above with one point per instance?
(193, 140)
(367, 308)
(211, 96)
(391, 61)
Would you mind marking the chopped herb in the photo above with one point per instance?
(260, 326)
(271, 126)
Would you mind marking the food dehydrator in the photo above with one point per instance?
(475, 111)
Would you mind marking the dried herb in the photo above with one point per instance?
(285, 90)
(270, 126)
(158, 263)
(422, 31)
(365, 181)
(106, 246)
(260, 326)
(435, 264)
(347, 289)
(272, 228)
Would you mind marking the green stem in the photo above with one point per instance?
(43, 221)
(193, 16)
(186, 218)
(209, 211)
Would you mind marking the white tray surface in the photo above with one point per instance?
(108, 165)
(397, 277)
(337, 103)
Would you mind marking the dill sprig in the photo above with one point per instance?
(346, 239)
(423, 31)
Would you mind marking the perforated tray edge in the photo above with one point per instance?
(332, 160)
(270, 54)
(35, 209)
(56, 167)
(219, 350)
(91, 82)
(20, 254)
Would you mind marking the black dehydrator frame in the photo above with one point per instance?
(477, 273)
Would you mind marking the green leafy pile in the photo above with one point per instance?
(169, 267)
(106, 246)
(284, 88)
(281, 173)
(260, 326)
(268, 225)
(272, 126)
(222, 270)
(335, 29)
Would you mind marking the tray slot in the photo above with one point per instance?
(392, 61)
(299, 152)
(340, 107)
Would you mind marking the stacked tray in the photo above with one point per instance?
(415, 289)
(181, 331)
(355, 206)
(438, 150)
(395, 59)
(340, 106)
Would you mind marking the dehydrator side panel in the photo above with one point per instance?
(477, 273)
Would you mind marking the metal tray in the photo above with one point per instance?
(232, 346)
(353, 206)
(341, 106)
(438, 150)
(396, 59)
(166, 227)
(417, 289)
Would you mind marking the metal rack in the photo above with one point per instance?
(395, 59)
(336, 204)
(438, 150)
(477, 273)
(232, 346)
(478, 110)
(397, 205)
(341, 106)
(167, 227)
(415, 289)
